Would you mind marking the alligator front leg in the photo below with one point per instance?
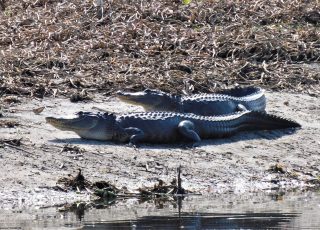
(136, 135)
(186, 129)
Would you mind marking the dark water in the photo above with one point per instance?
(202, 221)
(284, 211)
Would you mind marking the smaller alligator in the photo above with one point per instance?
(228, 101)
(165, 127)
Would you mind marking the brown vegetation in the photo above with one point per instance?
(55, 47)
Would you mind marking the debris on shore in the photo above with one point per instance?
(106, 193)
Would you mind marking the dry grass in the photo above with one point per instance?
(56, 47)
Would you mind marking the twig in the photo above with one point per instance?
(15, 147)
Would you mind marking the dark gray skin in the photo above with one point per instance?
(166, 127)
(228, 101)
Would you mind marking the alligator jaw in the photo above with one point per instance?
(87, 125)
(71, 124)
(137, 98)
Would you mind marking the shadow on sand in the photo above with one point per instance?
(242, 136)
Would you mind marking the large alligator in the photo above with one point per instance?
(227, 101)
(165, 127)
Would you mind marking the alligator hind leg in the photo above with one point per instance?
(186, 129)
(136, 135)
(241, 107)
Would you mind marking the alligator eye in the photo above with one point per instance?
(80, 113)
(147, 91)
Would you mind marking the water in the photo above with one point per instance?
(202, 221)
(252, 211)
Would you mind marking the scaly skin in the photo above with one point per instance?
(228, 101)
(165, 127)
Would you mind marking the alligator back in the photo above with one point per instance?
(240, 91)
(160, 127)
(225, 102)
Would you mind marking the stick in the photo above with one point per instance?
(15, 147)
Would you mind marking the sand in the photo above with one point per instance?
(247, 162)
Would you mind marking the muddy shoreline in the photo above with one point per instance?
(247, 162)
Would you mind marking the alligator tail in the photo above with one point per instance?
(260, 120)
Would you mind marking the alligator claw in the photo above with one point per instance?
(132, 145)
(196, 144)
(191, 145)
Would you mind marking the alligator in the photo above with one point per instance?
(225, 102)
(166, 127)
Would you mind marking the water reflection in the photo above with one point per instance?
(279, 218)
(202, 221)
(224, 211)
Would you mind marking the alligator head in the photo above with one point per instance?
(151, 100)
(87, 125)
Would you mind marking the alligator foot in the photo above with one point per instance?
(136, 135)
(132, 145)
(190, 145)
(196, 144)
(186, 129)
(241, 108)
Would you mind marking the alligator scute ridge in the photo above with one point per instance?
(162, 115)
(223, 96)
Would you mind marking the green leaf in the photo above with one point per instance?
(186, 2)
